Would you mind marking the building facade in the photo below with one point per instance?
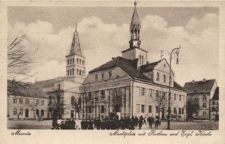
(202, 92)
(26, 101)
(132, 86)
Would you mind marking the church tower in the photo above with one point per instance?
(75, 61)
(134, 51)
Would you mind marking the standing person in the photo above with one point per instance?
(131, 124)
(156, 123)
(90, 124)
(136, 121)
(150, 121)
(140, 122)
(73, 124)
(67, 124)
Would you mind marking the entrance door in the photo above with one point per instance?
(26, 113)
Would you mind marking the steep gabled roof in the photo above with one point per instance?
(216, 94)
(149, 66)
(25, 89)
(204, 86)
(124, 64)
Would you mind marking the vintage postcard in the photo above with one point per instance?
(114, 71)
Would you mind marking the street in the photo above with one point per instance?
(47, 124)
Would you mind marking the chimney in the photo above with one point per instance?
(203, 79)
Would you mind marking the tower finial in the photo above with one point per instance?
(75, 26)
(135, 3)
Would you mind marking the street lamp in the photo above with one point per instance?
(174, 51)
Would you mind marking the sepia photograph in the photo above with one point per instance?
(114, 68)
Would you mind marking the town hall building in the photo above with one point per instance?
(131, 86)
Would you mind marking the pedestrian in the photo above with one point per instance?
(90, 125)
(156, 123)
(140, 122)
(73, 124)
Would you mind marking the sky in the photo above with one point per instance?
(104, 33)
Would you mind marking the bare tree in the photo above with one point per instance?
(20, 57)
(161, 101)
(117, 97)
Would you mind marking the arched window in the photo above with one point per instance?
(80, 72)
(142, 59)
(170, 82)
(77, 71)
(157, 77)
(67, 72)
(77, 60)
(68, 61)
(15, 111)
(42, 112)
(164, 78)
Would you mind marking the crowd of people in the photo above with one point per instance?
(110, 123)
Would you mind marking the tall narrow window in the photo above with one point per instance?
(103, 76)
(21, 111)
(164, 78)
(157, 76)
(96, 77)
(149, 109)
(142, 108)
(110, 74)
(14, 100)
(15, 111)
(142, 91)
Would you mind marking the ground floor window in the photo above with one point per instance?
(149, 109)
(102, 109)
(37, 112)
(42, 112)
(21, 111)
(142, 108)
(204, 113)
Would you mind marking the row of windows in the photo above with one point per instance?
(164, 78)
(102, 109)
(103, 76)
(72, 72)
(141, 108)
(79, 61)
(20, 112)
(180, 110)
(21, 101)
(159, 93)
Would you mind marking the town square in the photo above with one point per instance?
(112, 68)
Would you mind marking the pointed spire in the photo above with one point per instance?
(135, 18)
(75, 46)
(135, 27)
